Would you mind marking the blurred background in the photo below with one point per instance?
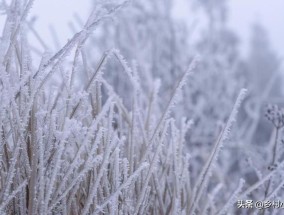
(241, 14)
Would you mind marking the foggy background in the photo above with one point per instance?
(242, 14)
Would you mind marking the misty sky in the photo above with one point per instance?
(242, 14)
(268, 12)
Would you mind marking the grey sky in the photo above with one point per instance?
(58, 13)
(242, 14)
(268, 12)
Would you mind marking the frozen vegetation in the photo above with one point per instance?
(132, 116)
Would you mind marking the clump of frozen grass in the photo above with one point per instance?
(61, 151)
(70, 150)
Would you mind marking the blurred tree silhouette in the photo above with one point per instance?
(263, 63)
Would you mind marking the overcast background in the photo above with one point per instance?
(242, 13)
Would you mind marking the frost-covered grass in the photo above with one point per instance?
(72, 146)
